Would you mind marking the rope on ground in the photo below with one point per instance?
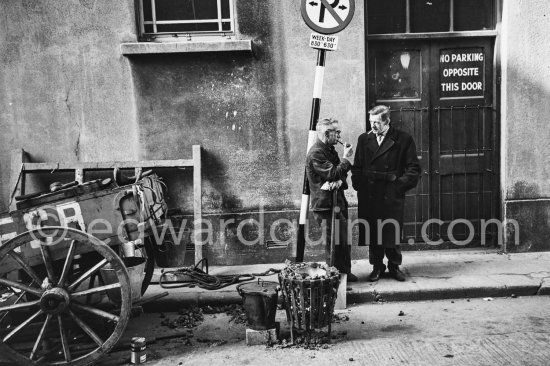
(198, 277)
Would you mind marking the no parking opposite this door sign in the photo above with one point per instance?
(328, 16)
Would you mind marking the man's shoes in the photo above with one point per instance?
(375, 274)
(397, 274)
(352, 277)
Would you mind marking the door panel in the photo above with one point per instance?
(461, 95)
(441, 93)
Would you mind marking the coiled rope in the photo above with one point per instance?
(199, 277)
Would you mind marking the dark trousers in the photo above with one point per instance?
(342, 249)
(376, 256)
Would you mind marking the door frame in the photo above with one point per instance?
(496, 82)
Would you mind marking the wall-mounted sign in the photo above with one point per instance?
(322, 42)
(462, 72)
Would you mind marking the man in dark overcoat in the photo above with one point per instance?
(326, 173)
(386, 166)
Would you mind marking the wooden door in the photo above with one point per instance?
(441, 92)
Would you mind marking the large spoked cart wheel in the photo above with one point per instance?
(59, 315)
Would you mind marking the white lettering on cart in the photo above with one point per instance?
(33, 220)
(10, 235)
(70, 213)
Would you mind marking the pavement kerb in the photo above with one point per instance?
(457, 283)
(544, 288)
(413, 292)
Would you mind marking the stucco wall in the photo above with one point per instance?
(66, 92)
(249, 112)
(525, 117)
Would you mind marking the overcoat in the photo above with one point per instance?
(323, 165)
(381, 175)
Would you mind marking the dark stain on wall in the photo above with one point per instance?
(525, 190)
(232, 105)
(533, 220)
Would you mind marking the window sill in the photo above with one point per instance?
(144, 48)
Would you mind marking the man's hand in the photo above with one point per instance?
(331, 186)
(348, 153)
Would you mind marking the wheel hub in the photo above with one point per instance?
(54, 301)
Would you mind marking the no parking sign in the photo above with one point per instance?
(328, 16)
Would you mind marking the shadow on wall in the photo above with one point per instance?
(230, 103)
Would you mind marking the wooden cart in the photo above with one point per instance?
(54, 251)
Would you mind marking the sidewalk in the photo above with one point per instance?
(431, 275)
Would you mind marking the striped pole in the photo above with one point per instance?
(315, 107)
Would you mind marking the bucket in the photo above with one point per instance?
(259, 303)
(136, 272)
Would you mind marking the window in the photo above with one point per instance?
(398, 74)
(428, 16)
(185, 17)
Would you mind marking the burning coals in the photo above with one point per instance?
(308, 271)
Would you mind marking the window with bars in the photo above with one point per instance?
(175, 17)
(426, 16)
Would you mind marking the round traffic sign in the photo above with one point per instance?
(328, 16)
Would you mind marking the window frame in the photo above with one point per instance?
(451, 33)
(155, 35)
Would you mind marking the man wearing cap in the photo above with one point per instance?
(326, 173)
(386, 166)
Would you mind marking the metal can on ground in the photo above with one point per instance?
(137, 350)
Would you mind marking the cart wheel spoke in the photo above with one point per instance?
(40, 338)
(64, 341)
(68, 264)
(35, 338)
(25, 267)
(22, 325)
(19, 306)
(7, 311)
(32, 290)
(86, 329)
(87, 274)
(96, 290)
(95, 311)
(48, 262)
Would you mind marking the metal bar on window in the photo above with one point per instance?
(416, 190)
(408, 17)
(480, 169)
(439, 165)
(220, 15)
(221, 21)
(154, 16)
(465, 164)
(232, 19)
(186, 21)
(141, 17)
(452, 139)
(452, 16)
